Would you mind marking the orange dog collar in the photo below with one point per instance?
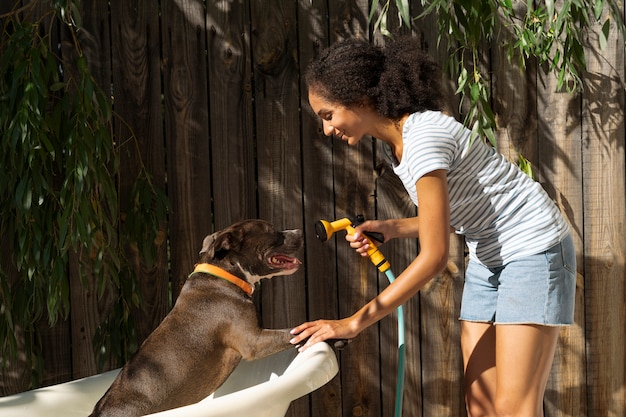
(220, 273)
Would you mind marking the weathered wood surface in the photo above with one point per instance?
(230, 106)
(190, 180)
(137, 96)
(558, 166)
(317, 172)
(604, 217)
(353, 184)
(214, 95)
(274, 42)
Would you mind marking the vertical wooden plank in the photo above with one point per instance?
(514, 102)
(56, 340)
(274, 43)
(87, 311)
(354, 184)
(137, 96)
(189, 183)
(442, 365)
(15, 376)
(440, 347)
(392, 201)
(274, 50)
(352, 191)
(559, 169)
(230, 107)
(604, 216)
(318, 188)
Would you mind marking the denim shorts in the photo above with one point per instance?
(538, 289)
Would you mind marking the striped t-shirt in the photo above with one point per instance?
(503, 213)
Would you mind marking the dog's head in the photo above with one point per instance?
(253, 249)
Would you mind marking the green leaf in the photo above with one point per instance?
(373, 10)
(550, 9)
(603, 36)
(462, 80)
(475, 92)
(598, 7)
(525, 166)
(23, 194)
(57, 86)
(403, 12)
(491, 137)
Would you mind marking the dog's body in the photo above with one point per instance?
(213, 325)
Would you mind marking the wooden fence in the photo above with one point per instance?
(213, 92)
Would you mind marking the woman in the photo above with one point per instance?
(520, 282)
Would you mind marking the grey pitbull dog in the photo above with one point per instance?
(213, 325)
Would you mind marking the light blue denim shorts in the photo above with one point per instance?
(538, 289)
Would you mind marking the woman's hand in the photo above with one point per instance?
(320, 330)
(361, 242)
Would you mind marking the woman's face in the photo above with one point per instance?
(348, 124)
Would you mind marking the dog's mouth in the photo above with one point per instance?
(282, 261)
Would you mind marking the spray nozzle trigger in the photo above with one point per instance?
(358, 219)
(324, 230)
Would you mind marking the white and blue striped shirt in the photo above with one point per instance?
(503, 213)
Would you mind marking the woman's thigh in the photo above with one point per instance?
(524, 355)
(478, 344)
(512, 360)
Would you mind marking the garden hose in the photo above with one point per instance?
(324, 230)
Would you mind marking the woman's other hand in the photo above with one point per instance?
(321, 330)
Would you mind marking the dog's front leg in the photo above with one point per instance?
(266, 342)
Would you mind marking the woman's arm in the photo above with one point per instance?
(433, 224)
(391, 228)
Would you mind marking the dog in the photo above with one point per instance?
(212, 326)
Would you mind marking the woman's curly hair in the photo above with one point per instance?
(395, 80)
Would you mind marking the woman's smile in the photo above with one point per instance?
(337, 120)
(350, 124)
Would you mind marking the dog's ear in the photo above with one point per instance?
(207, 245)
(216, 245)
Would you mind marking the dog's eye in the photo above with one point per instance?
(280, 239)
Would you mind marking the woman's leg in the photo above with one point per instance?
(506, 368)
(524, 355)
(478, 344)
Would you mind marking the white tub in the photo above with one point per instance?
(262, 388)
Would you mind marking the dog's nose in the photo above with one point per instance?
(294, 237)
(294, 232)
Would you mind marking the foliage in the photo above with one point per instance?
(381, 23)
(61, 204)
(525, 165)
(552, 34)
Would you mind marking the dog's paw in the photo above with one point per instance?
(339, 343)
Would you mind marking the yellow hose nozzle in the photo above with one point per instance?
(324, 230)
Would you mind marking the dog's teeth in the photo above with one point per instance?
(283, 261)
